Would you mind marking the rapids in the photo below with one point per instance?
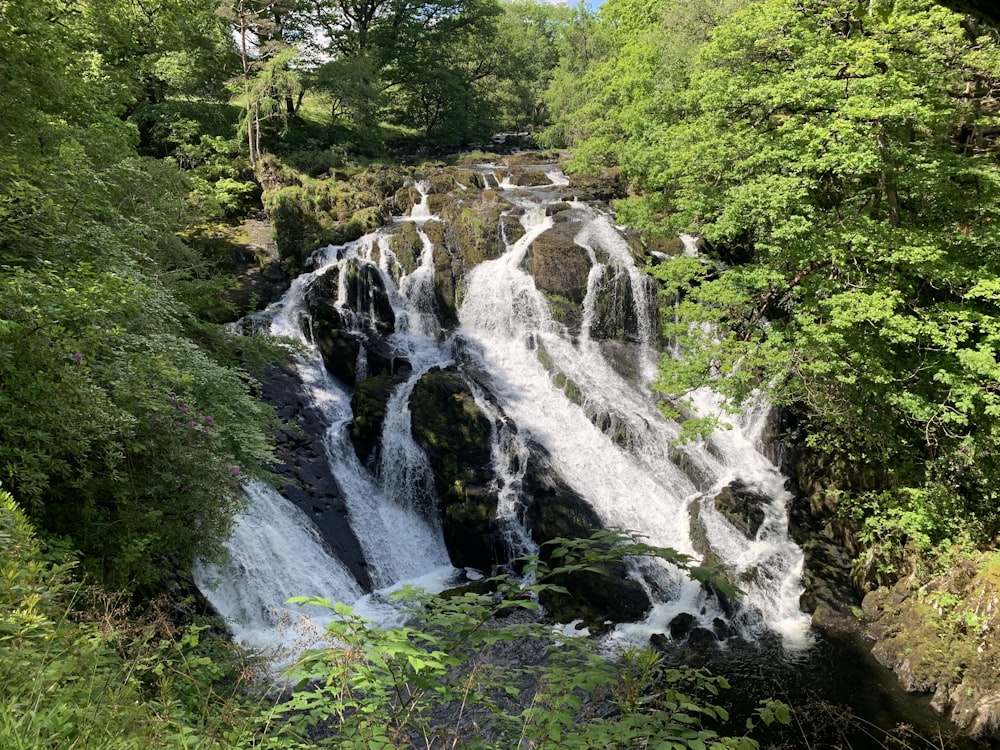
(605, 437)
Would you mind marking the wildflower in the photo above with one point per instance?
(209, 419)
(236, 471)
(76, 357)
(190, 423)
(185, 409)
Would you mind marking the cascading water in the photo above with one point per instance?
(579, 392)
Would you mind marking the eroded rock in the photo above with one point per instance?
(939, 638)
(742, 507)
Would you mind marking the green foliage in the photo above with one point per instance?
(447, 678)
(116, 430)
(838, 158)
(75, 677)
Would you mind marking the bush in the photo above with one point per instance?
(475, 668)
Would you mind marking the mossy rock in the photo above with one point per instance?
(558, 265)
(938, 636)
(607, 185)
(368, 404)
(511, 230)
(473, 231)
(742, 507)
(407, 246)
(529, 177)
(367, 296)
(616, 317)
(530, 158)
(449, 426)
(565, 312)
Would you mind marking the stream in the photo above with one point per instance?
(551, 340)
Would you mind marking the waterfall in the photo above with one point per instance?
(579, 390)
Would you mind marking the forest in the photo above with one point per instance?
(837, 161)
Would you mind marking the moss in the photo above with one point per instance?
(369, 406)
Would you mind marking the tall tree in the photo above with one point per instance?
(116, 430)
(268, 85)
(419, 63)
(833, 153)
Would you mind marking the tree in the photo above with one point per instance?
(419, 64)
(269, 86)
(116, 430)
(832, 152)
(625, 70)
(530, 36)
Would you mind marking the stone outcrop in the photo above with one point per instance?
(556, 510)
(742, 507)
(560, 269)
(455, 435)
(352, 344)
(941, 637)
(302, 462)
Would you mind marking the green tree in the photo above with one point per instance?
(100, 384)
(624, 71)
(414, 63)
(530, 35)
(834, 153)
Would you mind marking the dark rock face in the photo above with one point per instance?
(368, 404)
(556, 510)
(455, 435)
(302, 454)
(742, 507)
(350, 339)
(608, 185)
(681, 626)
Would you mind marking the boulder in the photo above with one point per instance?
(455, 434)
(558, 265)
(682, 625)
(607, 185)
(615, 317)
(742, 507)
(529, 177)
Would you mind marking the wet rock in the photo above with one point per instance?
(455, 435)
(607, 185)
(407, 247)
(350, 338)
(473, 231)
(368, 405)
(558, 265)
(557, 511)
(742, 507)
(529, 177)
(702, 639)
(615, 316)
(302, 462)
(511, 229)
(723, 629)
(682, 625)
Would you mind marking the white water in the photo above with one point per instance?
(609, 442)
